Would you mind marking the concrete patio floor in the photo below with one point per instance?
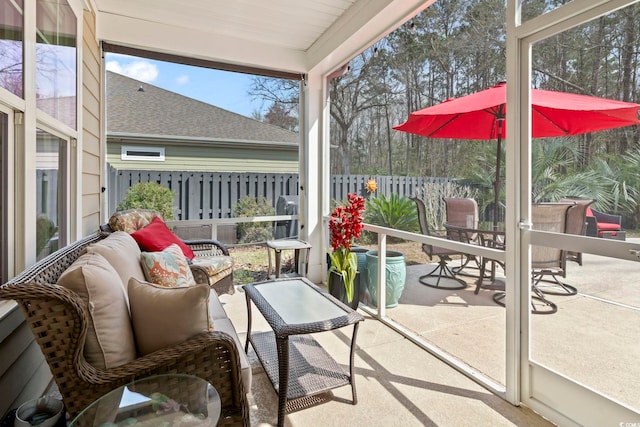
(398, 383)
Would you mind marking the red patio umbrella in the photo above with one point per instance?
(481, 116)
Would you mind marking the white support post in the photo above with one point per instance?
(382, 275)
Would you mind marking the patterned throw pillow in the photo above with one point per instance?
(168, 268)
(132, 220)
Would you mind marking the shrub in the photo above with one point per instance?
(251, 207)
(433, 195)
(149, 195)
(45, 230)
(397, 212)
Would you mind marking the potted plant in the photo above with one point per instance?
(345, 225)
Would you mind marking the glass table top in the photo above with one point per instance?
(297, 302)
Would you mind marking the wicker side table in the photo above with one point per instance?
(301, 255)
(297, 366)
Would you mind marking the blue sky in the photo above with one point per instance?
(220, 88)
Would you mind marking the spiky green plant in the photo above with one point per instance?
(394, 211)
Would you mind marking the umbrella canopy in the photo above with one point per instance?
(477, 116)
(481, 116)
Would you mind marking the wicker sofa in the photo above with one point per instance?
(601, 224)
(62, 321)
(212, 263)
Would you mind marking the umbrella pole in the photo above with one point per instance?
(496, 183)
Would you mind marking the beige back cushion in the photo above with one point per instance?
(109, 341)
(123, 253)
(163, 317)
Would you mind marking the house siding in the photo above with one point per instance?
(210, 159)
(91, 112)
(24, 374)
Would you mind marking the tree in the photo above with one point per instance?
(283, 92)
(351, 96)
(279, 116)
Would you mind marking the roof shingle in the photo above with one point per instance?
(156, 111)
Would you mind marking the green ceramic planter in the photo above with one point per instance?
(396, 277)
(361, 253)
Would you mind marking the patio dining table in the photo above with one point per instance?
(494, 239)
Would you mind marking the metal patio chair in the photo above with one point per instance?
(462, 212)
(445, 277)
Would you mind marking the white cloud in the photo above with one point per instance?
(139, 70)
(114, 66)
(183, 79)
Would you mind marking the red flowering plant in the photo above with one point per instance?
(345, 225)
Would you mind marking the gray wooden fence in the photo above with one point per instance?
(209, 195)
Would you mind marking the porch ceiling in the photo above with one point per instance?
(285, 35)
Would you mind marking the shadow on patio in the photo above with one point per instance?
(398, 383)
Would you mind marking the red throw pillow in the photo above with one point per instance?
(157, 237)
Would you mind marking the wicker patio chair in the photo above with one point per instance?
(59, 320)
(442, 272)
(601, 224)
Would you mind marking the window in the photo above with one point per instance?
(11, 41)
(56, 60)
(146, 154)
(51, 170)
(4, 207)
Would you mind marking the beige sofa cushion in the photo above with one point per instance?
(123, 253)
(217, 267)
(109, 341)
(225, 325)
(216, 311)
(163, 317)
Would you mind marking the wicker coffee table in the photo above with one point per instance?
(298, 367)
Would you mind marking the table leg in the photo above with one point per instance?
(352, 377)
(282, 345)
(246, 344)
(269, 258)
(278, 257)
(305, 261)
(296, 261)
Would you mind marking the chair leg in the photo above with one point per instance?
(539, 296)
(548, 307)
(552, 287)
(483, 268)
(442, 271)
(459, 270)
